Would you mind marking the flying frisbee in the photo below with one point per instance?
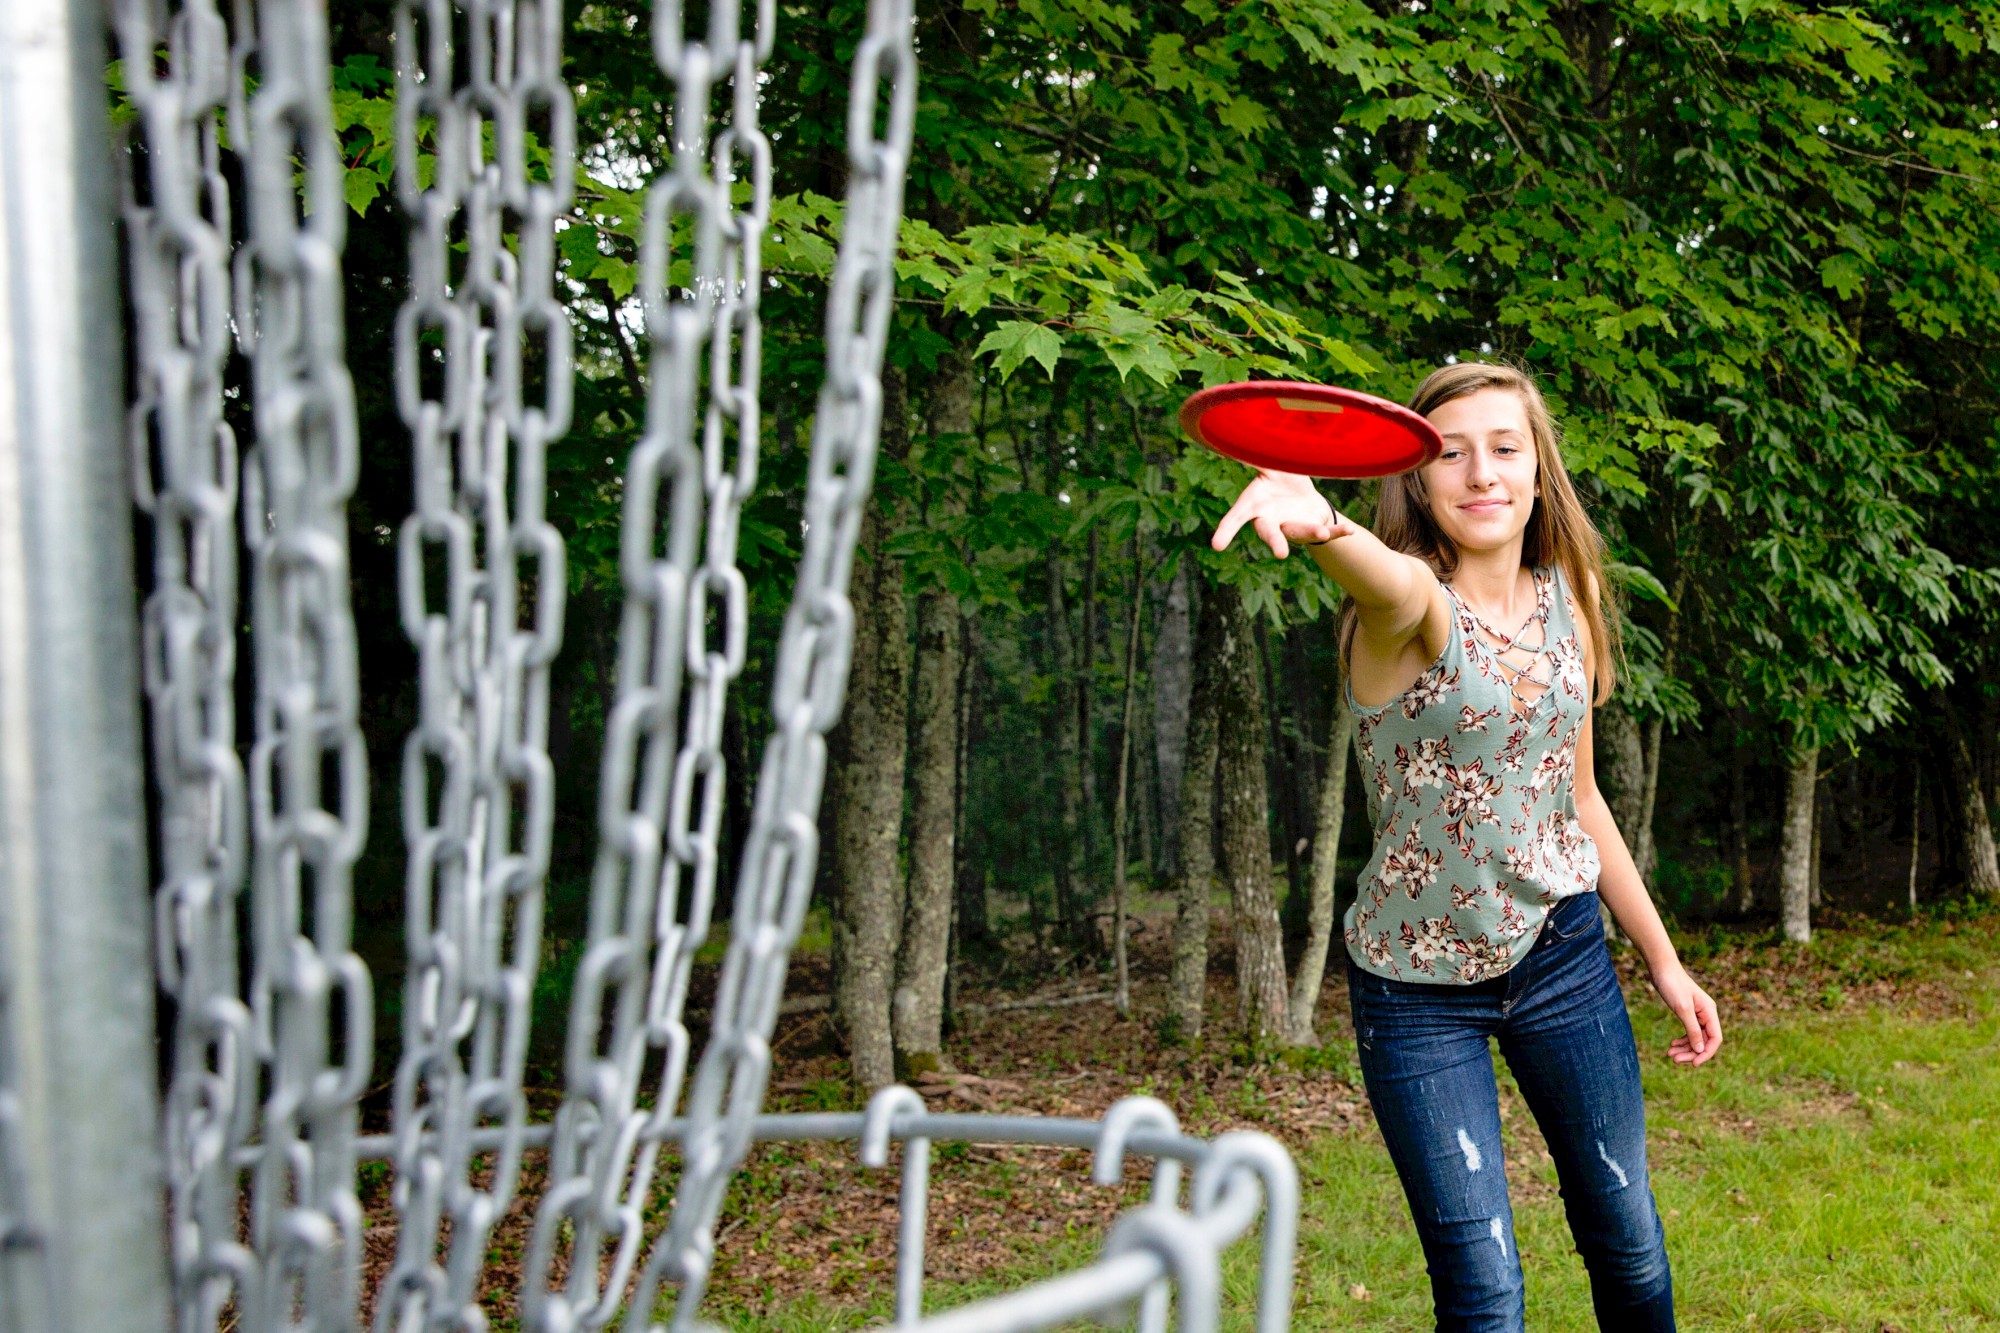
(1313, 429)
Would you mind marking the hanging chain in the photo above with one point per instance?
(775, 874)
(660, 807)
(685, 623)
(185, 477)
(310, 994)
(476, 869)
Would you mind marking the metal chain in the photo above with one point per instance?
(185, 477)
(651, 903)
(476, 871)
(775, 875)
(684, 622)
(310, 994)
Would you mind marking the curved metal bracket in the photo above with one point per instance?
(1184, 1246)
(1265, 1158)
(877, 1127)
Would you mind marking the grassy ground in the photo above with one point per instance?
(1833, 1169)
(1838, 1167)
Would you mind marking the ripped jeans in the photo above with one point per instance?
(1561, 1023)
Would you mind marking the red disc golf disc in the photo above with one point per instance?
(1313, 429)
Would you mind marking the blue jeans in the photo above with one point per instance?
(1561, 1022)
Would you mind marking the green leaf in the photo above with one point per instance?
(359, 186)
(1016, 341)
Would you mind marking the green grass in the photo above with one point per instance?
(1864, 1194)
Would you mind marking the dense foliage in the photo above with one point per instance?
(1751, 249)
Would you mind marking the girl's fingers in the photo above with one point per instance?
(1273, 534)
(1711, 1020)
(1691, 1019)
(1232, 523)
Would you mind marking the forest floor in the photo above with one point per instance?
(1836, 1167)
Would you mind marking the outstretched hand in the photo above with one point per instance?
(1696, 1011)
(1281, 508)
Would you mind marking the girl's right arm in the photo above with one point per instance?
(1394, 594)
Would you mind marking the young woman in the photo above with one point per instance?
(1476, 640)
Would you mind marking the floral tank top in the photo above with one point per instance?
(1470, 776)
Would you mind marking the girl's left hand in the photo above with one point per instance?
(1692, 1005)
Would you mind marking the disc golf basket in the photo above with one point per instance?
(228, 1201)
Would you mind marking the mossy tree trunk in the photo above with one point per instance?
(1244, 802)
(1187, 984)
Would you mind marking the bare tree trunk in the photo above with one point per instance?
(1187, 987)
(1242, 732)
(1970, 824)
(1795, 853)
(1311, 972)
(919, 1004)
(866, 777)
(1173, 682)
(926, 946)
(1645, 852)
(1122, 799)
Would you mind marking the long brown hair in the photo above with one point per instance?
(1559, 532)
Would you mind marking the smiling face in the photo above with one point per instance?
(1482, 487)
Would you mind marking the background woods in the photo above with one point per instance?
(1751, 249)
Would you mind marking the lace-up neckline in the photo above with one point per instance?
(1534, 664)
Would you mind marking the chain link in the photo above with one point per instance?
(681, 644)
(467, 345)
(476, 870)
(186, 477)
(310, 994)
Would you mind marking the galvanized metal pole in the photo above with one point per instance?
(79, 1147)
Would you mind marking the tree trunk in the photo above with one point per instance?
(1645, 852)
(1244, 799)
(1332, 814)
(1173, 682)
(933, 858)
(1194, 804)
(919, 1005)
(1123, 796)
(1795, 853)
(866, 778)
(1970, 825)
(1621, 765)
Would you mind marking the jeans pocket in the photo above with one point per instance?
(1573, 916)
